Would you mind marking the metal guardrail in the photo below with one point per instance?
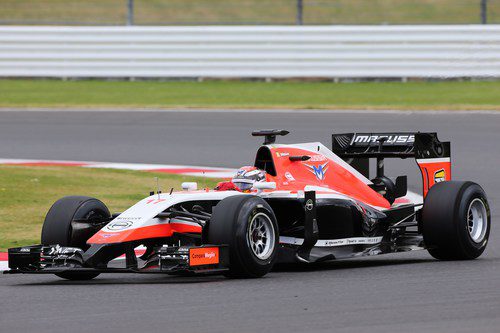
(251, 51)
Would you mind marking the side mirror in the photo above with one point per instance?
(260, 186)
(401, 186)
(189, 186)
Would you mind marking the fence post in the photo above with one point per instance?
(130, 12)
(484, 11)
(300, 12)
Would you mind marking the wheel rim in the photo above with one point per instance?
(261, 236)
(477, 220)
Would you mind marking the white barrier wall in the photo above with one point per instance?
(251, 51)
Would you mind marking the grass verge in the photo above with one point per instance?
(26, 194)
(236, 94)
(248, 11)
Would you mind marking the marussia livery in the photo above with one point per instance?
(301, 203)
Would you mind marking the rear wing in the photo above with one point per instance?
(431, 155)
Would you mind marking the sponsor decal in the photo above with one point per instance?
(203, 256)
(333, 242)
(282, 154)
(439, 176)
(317, 158)
(351, 241)
(119, 225)
(309, 204)
(391, 139)
(289, 176)
(318, 171)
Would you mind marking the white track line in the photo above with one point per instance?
(186, 170)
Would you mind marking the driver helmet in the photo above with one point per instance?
(248, 175)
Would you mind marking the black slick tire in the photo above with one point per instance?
(57, 227)
(446, 220)
(230, 224)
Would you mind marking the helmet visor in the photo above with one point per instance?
(243, 184)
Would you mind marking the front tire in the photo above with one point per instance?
(456, 220)
(58, 226)
(248, 225)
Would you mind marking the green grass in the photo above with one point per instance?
(226, 94)
(26, 194)
(247, 11)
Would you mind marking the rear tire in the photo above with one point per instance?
(57, 227)
(248, 225)
(456, 220)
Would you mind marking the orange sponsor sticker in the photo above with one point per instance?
(203, 256)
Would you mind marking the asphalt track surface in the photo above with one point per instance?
(407, 292)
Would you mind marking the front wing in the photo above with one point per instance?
(183, 260)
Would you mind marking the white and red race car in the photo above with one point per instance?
(314, 205)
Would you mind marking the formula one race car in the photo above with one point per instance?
(298, 203)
